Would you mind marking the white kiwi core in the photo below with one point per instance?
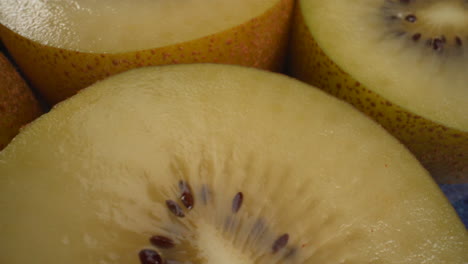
(124, 25)
(215, 249)
(271, 171)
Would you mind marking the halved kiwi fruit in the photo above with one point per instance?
(18, 106)
(402, 62)
(63, 46)
(217, 164)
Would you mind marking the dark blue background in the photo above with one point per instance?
(458, 196)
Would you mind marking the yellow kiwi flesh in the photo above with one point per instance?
(18, 106)
(277, 172)
(396, 71)
(64, 46)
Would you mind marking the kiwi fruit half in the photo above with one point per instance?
(402, 62)
(18, 106)
(217, 164)
(63, 46)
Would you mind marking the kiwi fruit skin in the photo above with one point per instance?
(111, 166)
(18, 106)
(58, 73)
(441, 149)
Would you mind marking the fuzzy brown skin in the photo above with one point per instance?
(58, 73)
(442, 150)
(17, 103)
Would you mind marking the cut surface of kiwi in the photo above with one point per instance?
(18, 106)
(401, 62)
(64, 46)
(108, 26)
(217, 164)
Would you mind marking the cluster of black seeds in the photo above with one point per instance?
(152, 256)
(438, 43)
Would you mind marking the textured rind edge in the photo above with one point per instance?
(58, 74)
(442, 150)
(18, 106)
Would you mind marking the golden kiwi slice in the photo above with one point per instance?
(18, 106)
(217, 164)
(402, 62)
(65, 45)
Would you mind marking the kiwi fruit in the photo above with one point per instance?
(209, 163)
(18, 106)
(402, 62)
(64, 46)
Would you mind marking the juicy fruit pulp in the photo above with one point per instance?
(400, 62)
(74, 43)
(108, 26)
(193, 163)
(17, 103)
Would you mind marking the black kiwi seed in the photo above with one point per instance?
(148, 256)
(438, 44)
(458, 41)
(411, 18)
(187, 196)
(280, 243)
(416, 36)
(237, 202)
(162, 242)
(399, 19)
(175, 208)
